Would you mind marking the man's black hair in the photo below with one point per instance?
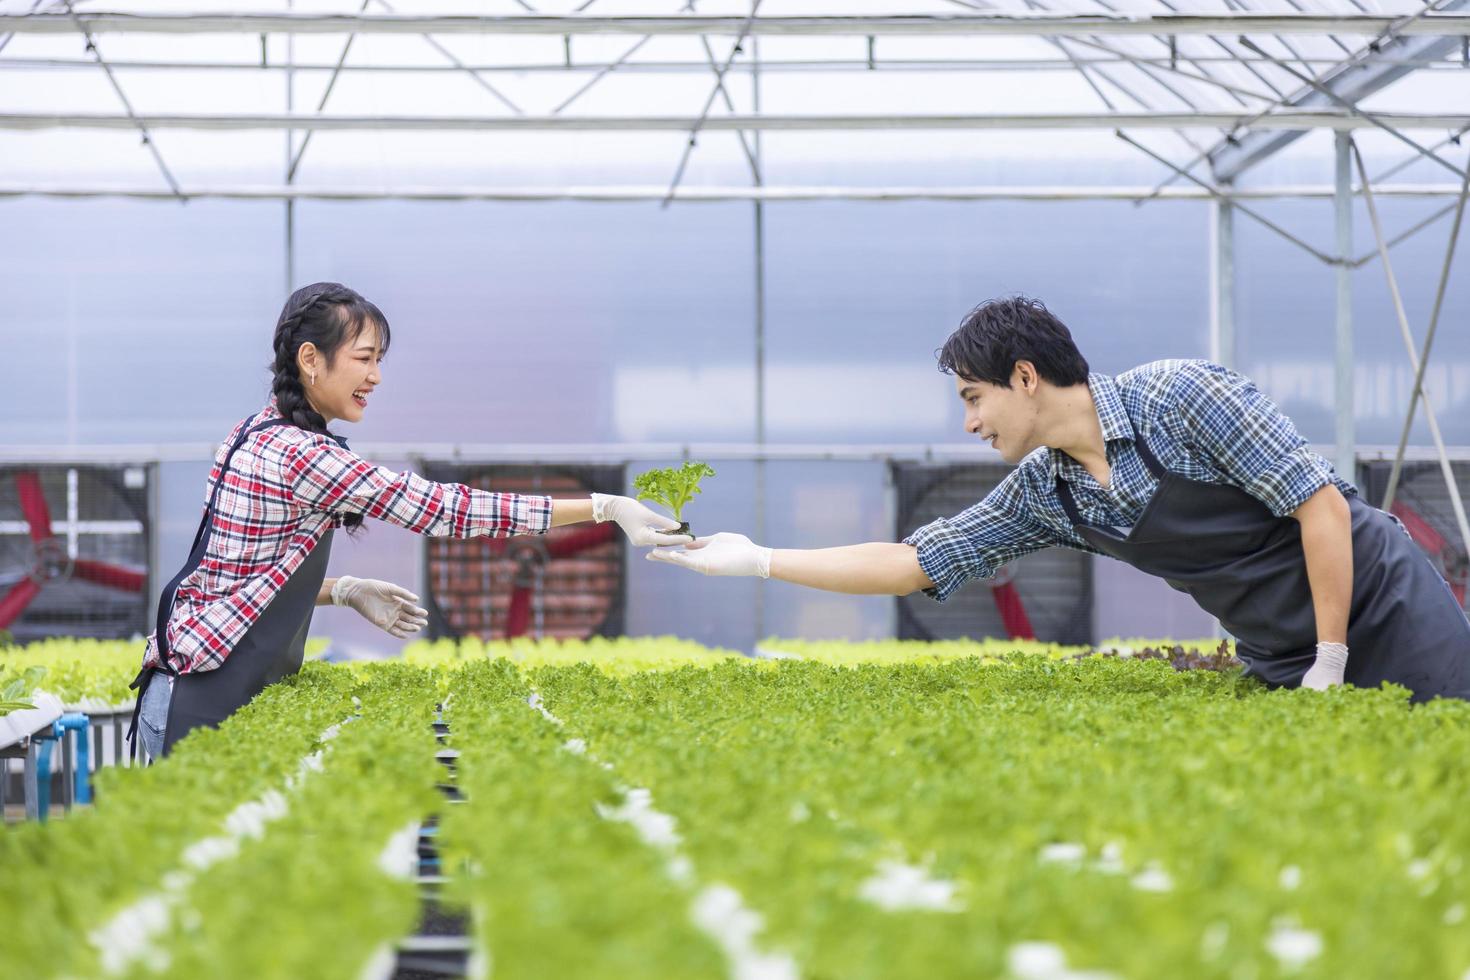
(999, 332)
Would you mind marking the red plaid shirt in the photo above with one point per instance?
(285, 488)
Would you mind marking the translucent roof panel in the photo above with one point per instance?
(472, 104)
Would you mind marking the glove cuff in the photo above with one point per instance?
(599, 507)
(763, 561)
(1332, 655)
(339, 590)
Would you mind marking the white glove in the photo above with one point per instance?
(641, 524)
(721, 554)
(1326, 670)
(389, 607)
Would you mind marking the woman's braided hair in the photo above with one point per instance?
(327, 315)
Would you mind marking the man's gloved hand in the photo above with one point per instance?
(641, 524)
(389, 607)
(720, 554)
(1327, 670)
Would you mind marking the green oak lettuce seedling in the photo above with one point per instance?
(16, 694)
(673, 488)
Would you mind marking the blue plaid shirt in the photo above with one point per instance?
(1201, 420)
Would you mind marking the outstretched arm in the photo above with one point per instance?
(327, 477)
(876, 568)
(937, 558)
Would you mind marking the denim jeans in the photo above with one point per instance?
(153, 717)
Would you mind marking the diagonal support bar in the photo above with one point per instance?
(127, 106)
(34, 5)
(1418, 363)
(603, 73)
(1327, 259)
(710, 102)
(1352, 107)
(1405, 235)
(1379, 64)
(454, 60)
(322, 104)
(755, 167)
(1418, 392)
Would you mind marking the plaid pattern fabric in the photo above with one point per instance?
(1201, 420)
(285, 488)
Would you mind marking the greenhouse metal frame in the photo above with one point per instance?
(1261, 75)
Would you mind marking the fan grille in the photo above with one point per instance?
(471, 582)
(98, 516)
(1054, 585)
(1422, 502)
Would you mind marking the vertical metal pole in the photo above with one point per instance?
(155, 531)
(1223, 349)
(33, 779)
(73, 385)
(760, 340)
(290, 153)
(68, 769)
(73, 507)
(1346, 438)
(1222, 282)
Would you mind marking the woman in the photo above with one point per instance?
(235, 618)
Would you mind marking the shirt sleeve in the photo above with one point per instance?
(325, 477)
(979, 540)
(1255, 446)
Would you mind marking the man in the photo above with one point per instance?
(1182, 469)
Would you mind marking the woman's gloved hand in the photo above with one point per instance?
(641, 524)
(391, 608)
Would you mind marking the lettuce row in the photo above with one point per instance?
(65, 878)
(553, 889)
(622, 655)
(87, 671)
(315, 883)
(1134, 819)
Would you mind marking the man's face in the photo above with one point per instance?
(1003, 417)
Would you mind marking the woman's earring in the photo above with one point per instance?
(313, 377)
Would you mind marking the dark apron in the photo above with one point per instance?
(271, 649)
(1245, 566)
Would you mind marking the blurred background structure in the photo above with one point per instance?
(610, 235)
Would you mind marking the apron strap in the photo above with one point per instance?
(140, 684)
(1149, 459)
(1069, 503)
(196, 554)
(1064, 492)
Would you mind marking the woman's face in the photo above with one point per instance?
(344, 384)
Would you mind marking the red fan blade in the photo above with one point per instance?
(563, 545)
(113, 576)
(1423, 533)
(1012, 611)
(518, 619)
(33, 504)
(15, 601)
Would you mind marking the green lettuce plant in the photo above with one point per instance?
(15, 695)
(1090, 812)
(673, 488)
